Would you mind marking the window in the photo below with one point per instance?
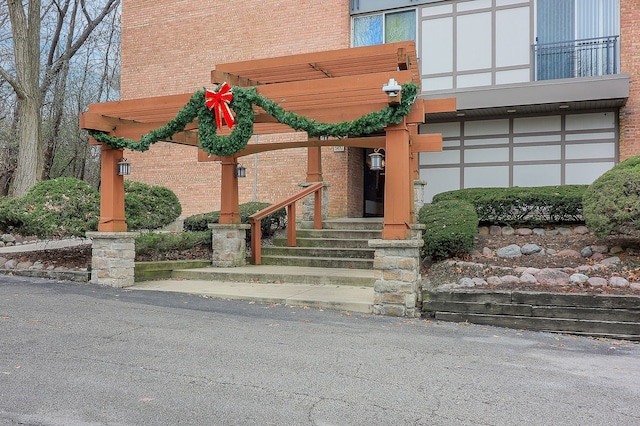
(576, 38)
(388, 27)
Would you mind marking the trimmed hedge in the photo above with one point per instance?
(532, 206)
(148, 206)
(451, 227)
(268, 225)
(56, 208)
(612, 202)
(151, 243)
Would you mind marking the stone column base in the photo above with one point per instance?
(308, 202)
(113, 258)
(418, 196)
(398, 287)
(229, 243)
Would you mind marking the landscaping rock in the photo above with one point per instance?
(610, 260)
(597, 282)
(11, 264)
(507, 230)
(600, 249)
(586, 252)
(568, 253)
(530, 249)
(466, 282)
(495, 230)
(479, 281)
(510, 251)
(580, 230)
(509, 279)
(539, 231)
(618, 282)
(527, 278)
(578, 279)
(524, 231)
(493, 280)
(552, 277)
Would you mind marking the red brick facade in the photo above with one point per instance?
(630, 64)
(170, 47)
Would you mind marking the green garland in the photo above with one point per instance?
(242, 104)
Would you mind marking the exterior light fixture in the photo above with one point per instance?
(376, 160)
(124, 168)
(241, 171)
(392, 88)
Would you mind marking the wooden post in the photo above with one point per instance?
(314, 164)
(112, 218)
(398, 188)
(229, 207)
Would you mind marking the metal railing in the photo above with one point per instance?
(576, 58)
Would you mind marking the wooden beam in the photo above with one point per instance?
(431, 142)
(219, 77)
(439, 105)
(365, 142)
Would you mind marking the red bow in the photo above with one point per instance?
(220, 101)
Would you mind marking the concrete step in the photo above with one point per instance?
(318, 262)
(347, 224)
(323, 242)
(359, 234)
(280, 274)
(332, 252)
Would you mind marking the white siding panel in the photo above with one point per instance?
(437, 10)
(439, 180)
(488, 155)
(448, 130)
(590, 150)
(590, 136)
(491, 141)
(585, 173)
(437, 83)
(486, 177)
(606, 120)
(442, 157)
(537, 124)
(474, 41)
(513, 76)
(473, 80)
(512, 37)
(473, 4)
(537, 175)
(537, 153)
(437, 46)
(486, 127)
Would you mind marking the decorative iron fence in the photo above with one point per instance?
(576, 58)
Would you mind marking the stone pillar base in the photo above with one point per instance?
(229, 243)
(418, 196)
(308, 202)
(396, 267)
(113, 258)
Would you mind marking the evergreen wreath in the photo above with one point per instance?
(242, 104)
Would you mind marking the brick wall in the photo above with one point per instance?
(171, 46)
(630, 64)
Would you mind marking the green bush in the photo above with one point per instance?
(612, 202)
(268, 225)
(451, 227)
(56, 208)
(149, 207)
(151, 243)
(513, 206)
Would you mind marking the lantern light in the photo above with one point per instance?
(241, 171)
(124, 168)
(376, 160)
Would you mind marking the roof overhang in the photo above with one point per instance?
(548, 96)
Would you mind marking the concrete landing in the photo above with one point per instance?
(323, 296)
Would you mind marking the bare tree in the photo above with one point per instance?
(32, 78)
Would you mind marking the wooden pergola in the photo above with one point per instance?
(332, 86)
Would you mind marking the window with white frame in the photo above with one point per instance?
(384, 27)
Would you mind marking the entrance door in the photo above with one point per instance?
(373, 188)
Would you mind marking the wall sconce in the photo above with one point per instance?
(392, 88)
(377, 162)
(124, 168)
(241, 171)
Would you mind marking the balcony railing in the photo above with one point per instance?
(576, 58)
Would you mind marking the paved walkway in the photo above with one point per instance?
(45, 245)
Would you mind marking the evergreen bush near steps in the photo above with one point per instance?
(268, 225)
(148, 206)
(612, 202)
(451, 227)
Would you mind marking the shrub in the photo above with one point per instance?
(612, 202)
(512, 206)
(451, 227)
(149, 207)
(268, 226)
(55, 208)
(150, 244)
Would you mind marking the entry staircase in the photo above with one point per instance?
(337, 254)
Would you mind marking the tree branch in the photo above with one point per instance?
(14, 83)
